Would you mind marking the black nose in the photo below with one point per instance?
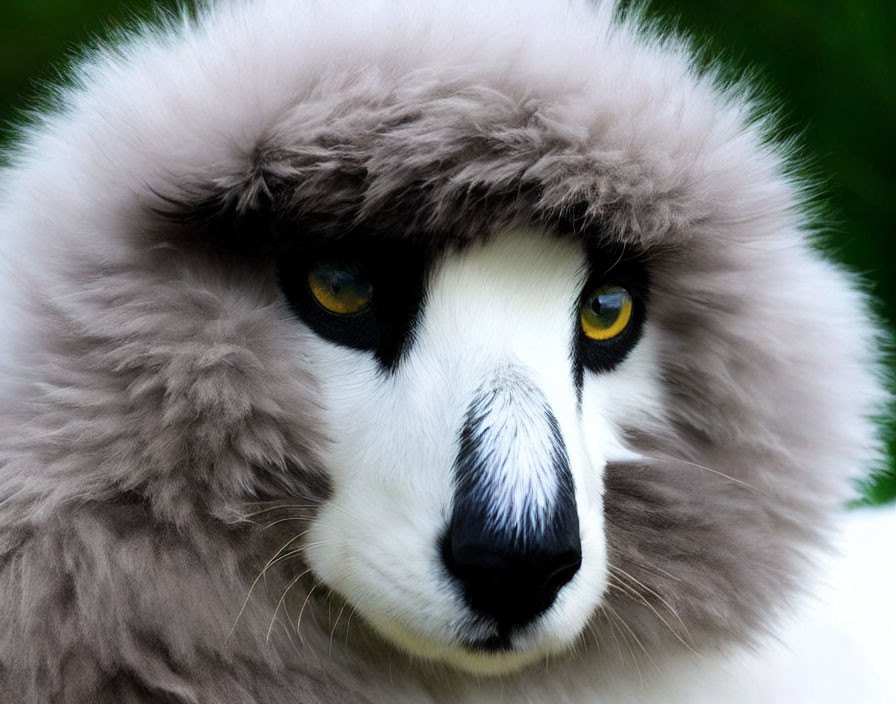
(513, 538)
(505, 579)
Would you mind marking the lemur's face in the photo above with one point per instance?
(471, 401)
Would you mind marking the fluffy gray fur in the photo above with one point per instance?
(156, 419)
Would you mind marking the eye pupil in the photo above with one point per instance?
(341, 281)
(607, 306)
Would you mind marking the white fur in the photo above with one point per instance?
(507, 304)
(524, 481)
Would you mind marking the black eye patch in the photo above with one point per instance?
(393, 275)
(614, 275)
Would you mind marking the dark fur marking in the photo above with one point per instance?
(398, 272)
(610, 265)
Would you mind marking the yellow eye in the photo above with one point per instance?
(340, 289)
(606, 312)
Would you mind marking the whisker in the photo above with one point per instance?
(616, 619)
(742, 483)
(645, 566)
(278, 507)
(275, 559)
(333, 630)
(348, 623)
(633, 635)
(280, 602)
(659, 597)
(284, 507)
(318, 543)
(632, 592)
(282, 520)
(615, 640)
(302, 610)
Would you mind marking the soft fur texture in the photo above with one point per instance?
(161, 432)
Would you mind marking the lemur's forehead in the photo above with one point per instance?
(534, 262)
(518, 287)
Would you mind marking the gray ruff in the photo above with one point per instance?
(152, 399)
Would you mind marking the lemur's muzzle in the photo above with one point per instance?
(513, 539)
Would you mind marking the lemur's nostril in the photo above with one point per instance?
(506, 580)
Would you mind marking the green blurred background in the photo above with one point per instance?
(827, 62)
